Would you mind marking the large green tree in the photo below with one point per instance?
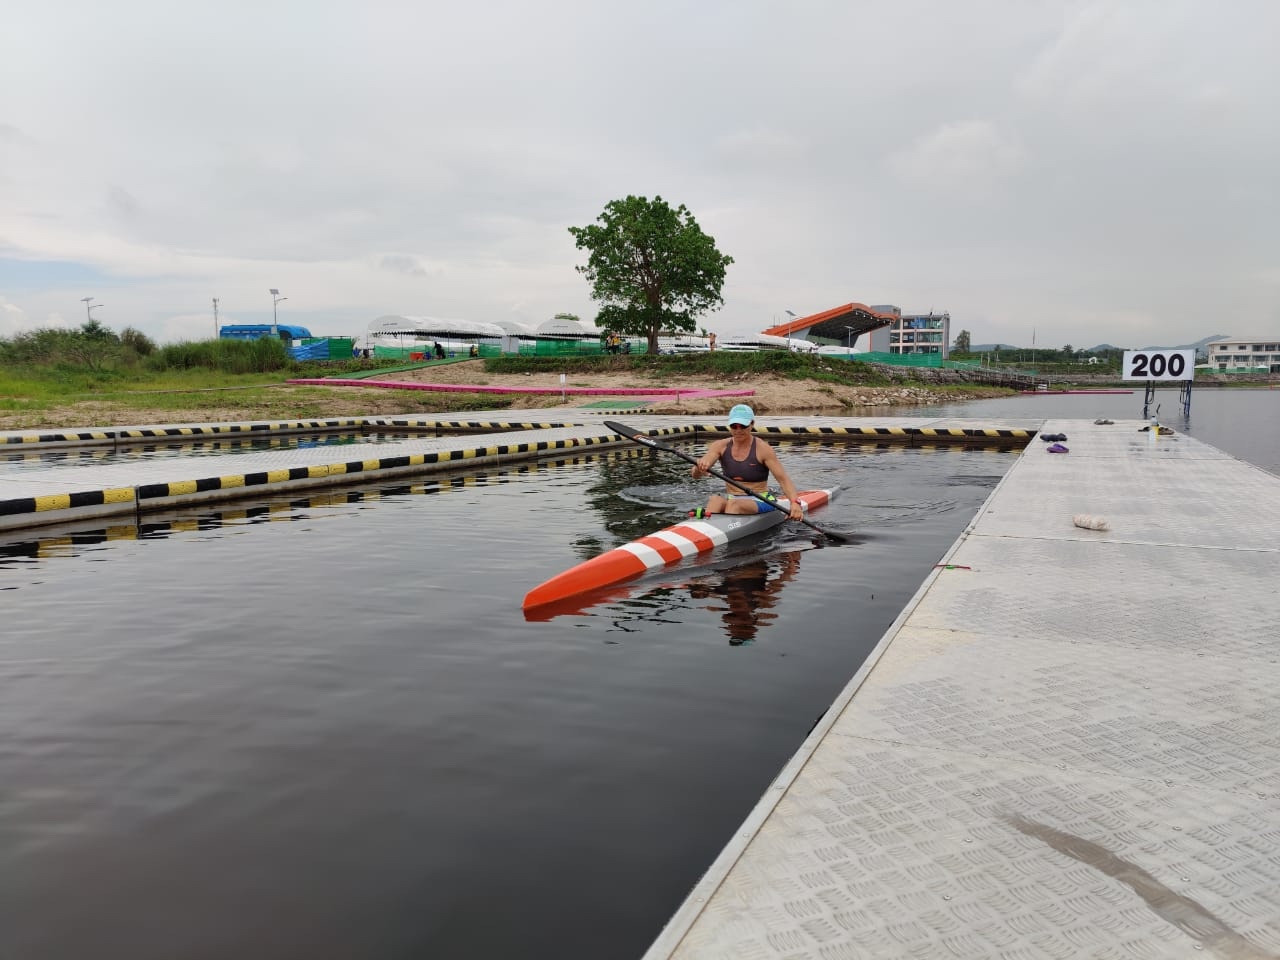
(651, 268)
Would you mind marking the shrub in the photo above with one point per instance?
(226, 356)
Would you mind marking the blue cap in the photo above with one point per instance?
(742, 414)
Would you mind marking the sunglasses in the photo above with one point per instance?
(738, 426)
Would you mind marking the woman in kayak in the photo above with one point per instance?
(748, 460)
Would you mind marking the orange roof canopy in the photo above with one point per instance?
(831, 324)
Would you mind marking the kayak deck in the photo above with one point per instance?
(688, 538)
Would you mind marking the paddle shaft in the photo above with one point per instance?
(639, 437)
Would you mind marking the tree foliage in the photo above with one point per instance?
(650, 267)
(962, 342)
(137, 341)
(92, 346)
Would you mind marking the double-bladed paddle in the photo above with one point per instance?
(625, 431)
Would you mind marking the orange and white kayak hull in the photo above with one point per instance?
(689, 538)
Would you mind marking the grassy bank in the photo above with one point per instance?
(738, 366)
(720, 365)
(76, 378)
(213, 382)
(35, 396)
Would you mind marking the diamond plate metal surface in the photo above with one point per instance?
(1067, 746)
(894, 850)
(1173, 491)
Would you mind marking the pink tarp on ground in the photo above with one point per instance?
(574, 391)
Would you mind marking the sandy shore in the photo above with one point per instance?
(771, 395)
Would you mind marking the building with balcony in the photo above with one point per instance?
(1257, 355)
(913, 333)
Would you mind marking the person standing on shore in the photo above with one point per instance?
(745, 458)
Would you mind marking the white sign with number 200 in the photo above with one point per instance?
(1159, 365)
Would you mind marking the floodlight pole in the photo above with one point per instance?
(792, 316)
(848, 343)
(89, 307)
(215, 318)
(275, 300)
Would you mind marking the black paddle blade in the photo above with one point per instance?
(622, 429)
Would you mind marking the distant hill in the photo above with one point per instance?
(990, 347)
(1198, 346)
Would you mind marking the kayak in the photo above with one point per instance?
(688, 538)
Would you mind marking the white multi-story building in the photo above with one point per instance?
(913, 333)
(1253, 356)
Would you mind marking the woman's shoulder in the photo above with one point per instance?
(763, 447)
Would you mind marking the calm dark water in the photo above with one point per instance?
(1243, 423)
(322, 727)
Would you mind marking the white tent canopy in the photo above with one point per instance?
(566, 329)
(830, 350)
(514, 328)
(765, 341)
(430, 328)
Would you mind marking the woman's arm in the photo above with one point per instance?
(708, 459)
(770, 459)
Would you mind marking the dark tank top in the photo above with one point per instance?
(750, 470)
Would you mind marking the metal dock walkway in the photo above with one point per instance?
(1067, 745)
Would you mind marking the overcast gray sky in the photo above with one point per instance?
(1090, 171)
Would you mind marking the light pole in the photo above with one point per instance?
(275, 299)
(215, 318)
(848, 343)
(792, 316)
(89, 307)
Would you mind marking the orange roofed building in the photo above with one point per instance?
(888, 329)
(840, 325)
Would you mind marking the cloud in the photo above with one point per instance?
(958, 156)
(122, 203)
(1078, 165)
(191, 326)
(13, 319)
(399, 263)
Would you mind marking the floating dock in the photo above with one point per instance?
(56, 494)
(1066, 745)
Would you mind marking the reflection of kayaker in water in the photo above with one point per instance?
(749, 594)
